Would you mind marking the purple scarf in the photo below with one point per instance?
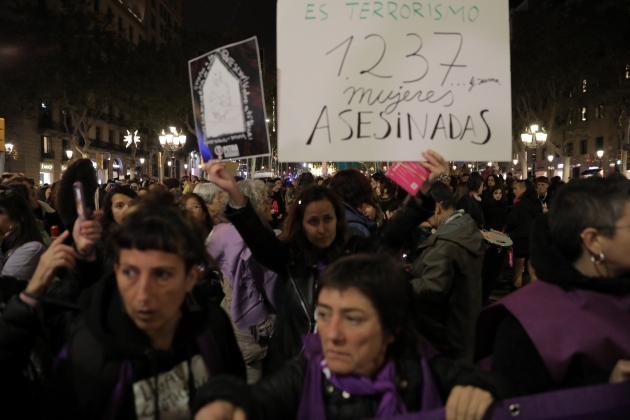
(312, 401)
(563, 325)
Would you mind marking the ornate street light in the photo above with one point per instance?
(172, 141)
(69, 154)
(550, 158)
(533, 138)
(141, 161)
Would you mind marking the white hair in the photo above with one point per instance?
(207, 191)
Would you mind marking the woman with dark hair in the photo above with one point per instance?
(306, 180)
(471, 201)
(22, 243)
(490, 181)
(386, 192)
(41, 194)
(570, 328)
(51, 195)
(115, 206)
(373, 211)
(519, 224)
(376, 178)
(355, 191)
(146, 338)
(315, 235)
(81, 170)
(197, 209)
(365, 361)
(495, 208)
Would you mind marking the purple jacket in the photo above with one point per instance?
(248, 278)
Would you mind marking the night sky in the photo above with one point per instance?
(236, 20)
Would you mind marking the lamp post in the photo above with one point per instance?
(170, 168)
(551, 168)
(69, 154)
(141, 166)
(533, 138)
(600, 154)
(172, 141)
(9, 149)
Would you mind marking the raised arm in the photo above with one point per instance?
(391, 237)
(261, 241)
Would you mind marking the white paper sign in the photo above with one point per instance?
(385, 80)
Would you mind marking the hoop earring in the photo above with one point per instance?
(596, 261)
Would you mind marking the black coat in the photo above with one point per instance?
(103, 336)
(494, 214)
(514, 353)
(296, 312)
(520, 218)
(278, 395)
(473, 207)
(31, 337)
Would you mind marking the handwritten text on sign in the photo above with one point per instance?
(384, 80)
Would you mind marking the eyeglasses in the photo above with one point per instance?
(192, 207)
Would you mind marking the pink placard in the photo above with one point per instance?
(409, 175)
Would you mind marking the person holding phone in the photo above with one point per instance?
(81, 170)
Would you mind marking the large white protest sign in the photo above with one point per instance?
(384, 80)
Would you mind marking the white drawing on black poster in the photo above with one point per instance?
(222, 102)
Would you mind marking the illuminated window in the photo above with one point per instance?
(46, 144)
(627, 71)
(583, 113)
(584, 86)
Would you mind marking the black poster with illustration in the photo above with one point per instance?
(228, 102)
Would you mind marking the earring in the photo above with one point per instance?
(596, 261)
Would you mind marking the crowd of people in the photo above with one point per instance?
(336, 297)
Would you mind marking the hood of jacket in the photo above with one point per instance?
(353, 216)
(552, 267)
(462, 231)
(104, 315)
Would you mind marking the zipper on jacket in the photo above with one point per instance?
(301, 299)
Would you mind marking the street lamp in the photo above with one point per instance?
(515, 162)
(172, 141)
(9, 149)
(533, 138)
(600, 153)
(69, 154)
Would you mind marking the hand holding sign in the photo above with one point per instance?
(218, 175)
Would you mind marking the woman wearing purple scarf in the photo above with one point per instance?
(570, 328)
(366, 360)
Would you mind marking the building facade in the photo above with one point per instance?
(40, 144)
